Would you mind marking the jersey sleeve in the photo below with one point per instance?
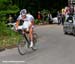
(19, 17)
(31, 18)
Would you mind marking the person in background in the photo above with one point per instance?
(15, 17)
(10, 19)
(59, 17)
(63, 16)
(39, 16)
(50, 18)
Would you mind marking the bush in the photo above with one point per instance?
(9, 40)
(44, 11)
(37, 21)
(7, 36)
(2, 28)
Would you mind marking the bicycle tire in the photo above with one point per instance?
(22, 46)
(35, 41)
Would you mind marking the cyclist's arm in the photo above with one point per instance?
(17, 23)
(32, 20)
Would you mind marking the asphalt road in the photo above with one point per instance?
(53, 48)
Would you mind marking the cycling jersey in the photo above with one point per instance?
(27, 21)
(30, 17)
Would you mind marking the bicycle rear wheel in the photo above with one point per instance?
(35, 41)
(22, 45)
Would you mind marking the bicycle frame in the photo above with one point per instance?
(20, 31)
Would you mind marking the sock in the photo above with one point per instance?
(31, 44)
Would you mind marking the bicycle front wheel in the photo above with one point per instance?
(22, 46)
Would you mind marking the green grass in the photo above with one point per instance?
(9, 40)
(7, 36)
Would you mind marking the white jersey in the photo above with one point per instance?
(27, 21)
(28, 17)
(19, 17)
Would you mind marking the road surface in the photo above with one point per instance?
(53, 48)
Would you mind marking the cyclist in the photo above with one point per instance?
(27, 24)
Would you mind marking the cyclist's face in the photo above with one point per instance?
(23, 16)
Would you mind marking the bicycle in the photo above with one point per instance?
(24, 42)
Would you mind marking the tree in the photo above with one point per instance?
(34, 5)
(6, 7)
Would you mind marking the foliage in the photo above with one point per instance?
(2, 28)
(44, 14)
(1, 1)
(53, 10)
(4, 31)
(7, 36)
(37, 21)
(4, 4)
(37, 5)
(9, 40)
(9, 11)
(44, 11)
(6, 7)
(14, 7)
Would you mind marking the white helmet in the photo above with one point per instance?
(23, 12)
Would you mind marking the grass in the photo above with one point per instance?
(7, 36)
(9, 40)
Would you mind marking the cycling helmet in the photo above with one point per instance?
(23, 12)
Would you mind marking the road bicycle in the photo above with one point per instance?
(24, 42)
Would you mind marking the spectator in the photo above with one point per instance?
(63, 16)
(10, 19)
(39, 16)
(15, 17)
(50, 18)
(59, 17)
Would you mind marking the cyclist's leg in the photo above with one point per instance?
(31, 36)
(28, 27)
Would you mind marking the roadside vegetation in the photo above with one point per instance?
(7, 36)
